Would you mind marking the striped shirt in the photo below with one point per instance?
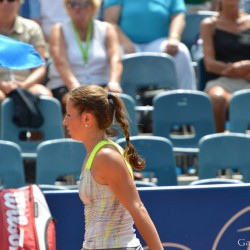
(107, 223)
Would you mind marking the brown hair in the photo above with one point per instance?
(106, 106)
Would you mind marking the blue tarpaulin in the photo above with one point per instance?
(208, 217)
(16, 55)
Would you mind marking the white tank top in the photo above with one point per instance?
(97, 69)
(107, 223)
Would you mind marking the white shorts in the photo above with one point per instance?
(230, 84)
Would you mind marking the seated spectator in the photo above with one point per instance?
(46, 14)
(84, 51)
(28, 31)
(153, 26)
(226, 46)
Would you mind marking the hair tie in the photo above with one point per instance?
(110, 96)
(127, 139)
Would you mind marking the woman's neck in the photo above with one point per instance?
(93, 141)
(234, 21)
(232, 14)
(82, 28)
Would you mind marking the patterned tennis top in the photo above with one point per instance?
(107, 223)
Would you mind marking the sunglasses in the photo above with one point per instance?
(9, 1)
(72, 4)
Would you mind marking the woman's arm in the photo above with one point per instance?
(114, 55)
(109, 168)
(177, 26)
(112, 15)
(240, 69)
(58, 51)
(36, 76)
(175, 31)
(212, 65)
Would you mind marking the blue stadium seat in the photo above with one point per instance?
(11, 165)
(239, 111)
(147, 69)
(222, 151)
(211, 181)
(159, 157)
(175, 109)
(191, 32)
(58, 158)
(52, 127)
(132, 116)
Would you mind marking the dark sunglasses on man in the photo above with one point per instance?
(81, 5)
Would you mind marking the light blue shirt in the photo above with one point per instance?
(146, 20)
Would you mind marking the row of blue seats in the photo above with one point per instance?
(215, 152)
(171, 110)
(176, 108)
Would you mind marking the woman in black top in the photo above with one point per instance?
(226, 45)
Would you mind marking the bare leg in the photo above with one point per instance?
(220, 100)
(40, 89)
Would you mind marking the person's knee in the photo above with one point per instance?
(219, 96)
(41, 90)
(46, 91)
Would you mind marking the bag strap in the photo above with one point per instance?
(98, 146)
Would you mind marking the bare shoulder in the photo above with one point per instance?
(207, 25)
(209, 21)
(56, 36)
(108, 155)
(110, 28)
(111, 36)
(56, 28)
(109, 162)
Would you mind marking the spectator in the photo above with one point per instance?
(28, 31)
(153, 26)
(84, 51)
(45, 13)
(226, 45)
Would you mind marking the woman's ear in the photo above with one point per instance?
(87, 120)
